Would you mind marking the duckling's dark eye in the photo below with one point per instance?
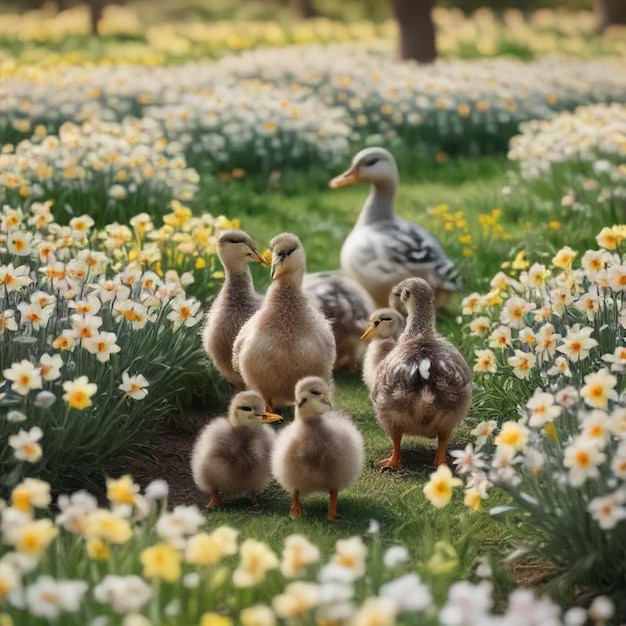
(284, 254)
(406, 294)
(385, 319)
(233, 240)
(315, 392)
(245, 408)
(371, 161)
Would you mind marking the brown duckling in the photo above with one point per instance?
(385, 326)
(233, 455)
(287, 338)
(347, 306)
(424, 385)
(235, 303)
(321, 450)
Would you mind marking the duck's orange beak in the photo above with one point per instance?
(268, 418)
(369, 331)
(259, 258)
(347, 178)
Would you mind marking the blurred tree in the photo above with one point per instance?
(302, 9)
(416, 29)
(609, 12)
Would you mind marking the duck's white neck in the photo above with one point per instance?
(379, 203)
(289, 280)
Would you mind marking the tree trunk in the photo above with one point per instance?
(416, 29)
(96, 8)
(302, 9)
(609, 12)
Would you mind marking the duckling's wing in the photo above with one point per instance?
(432, 371)
(400, 248)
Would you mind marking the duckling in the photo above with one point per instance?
(321, 450)
(287, 338)
(235, 303)
(383, 249)
(385, 326)
(233, 455)
(346, 305)
(424, 385)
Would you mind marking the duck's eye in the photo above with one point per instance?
(233, 240)
(406, 294)
(245, 408)
(315, 392)
(371, 161)
(283, 254)
(385, 319)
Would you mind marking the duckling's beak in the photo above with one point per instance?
(268, 418)
(259, 258)
(276, 261)
(347, 178)
(369, 331)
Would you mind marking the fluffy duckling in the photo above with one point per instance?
(385, 326)
(321, 450)
(234, 304)
(233, 455)
(383, 249)
(347, 306)
(287, 338)
(424, 385)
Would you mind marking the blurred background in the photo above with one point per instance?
(414, 19)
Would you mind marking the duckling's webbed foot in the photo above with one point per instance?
(393, 461)
(332, 506)
(296, 509)
(215, 500)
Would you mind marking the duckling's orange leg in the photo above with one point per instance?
(442, 439)
(332, 505)
(215, 500)
(296, 509)
(393, 461)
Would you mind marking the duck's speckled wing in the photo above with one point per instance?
(398, 248)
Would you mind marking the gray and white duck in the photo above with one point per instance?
(383, 249)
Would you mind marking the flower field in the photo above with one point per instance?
(121, 162)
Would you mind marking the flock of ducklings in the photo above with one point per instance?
(281, 348)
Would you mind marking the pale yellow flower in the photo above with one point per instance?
(161, 561)
(256, 559)
(108, 526)
(522, 363)
(34, 537)
(122, 490)
(215, 619)
(78, 392)
(298, 554)
(375, 612)
(297, 600)
(257, 615)
(485, 362)
(203, 549)
(564, 258)
(513, 435)
(350, 554)
(439, 487)
(599, 388)
(30, 493)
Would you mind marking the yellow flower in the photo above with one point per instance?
(555, 225)
(473, 498)
(256, 560)
(200, 263)
(257, 615)
(78, 392)
(512, 434)
(215, 619)
(439, 488)
(564, 258)
(550, 431)
(203, 549)
(161, 561)
(223, 223)
(35, 536)
(98, 550)
(31, 492)
(610, 238)
(444, 558)
(122, 490)
(520, 262)
(106, 525)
